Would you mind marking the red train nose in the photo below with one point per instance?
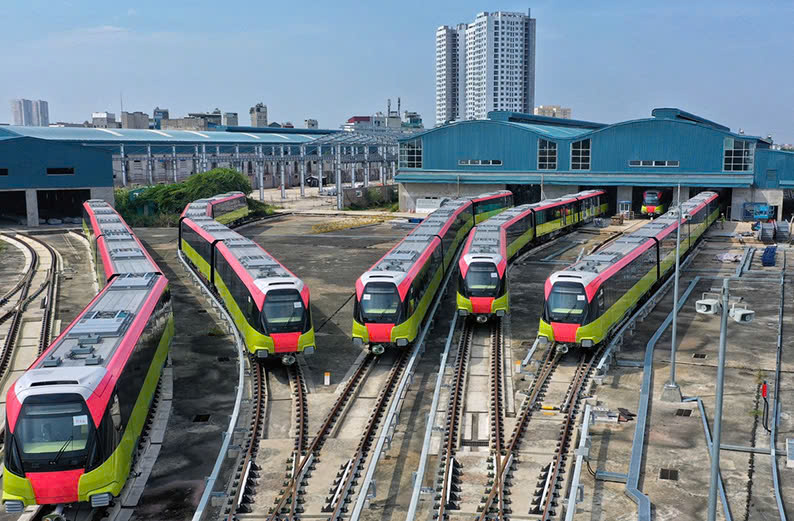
(55, 487)
(481, 305)
(650, 209)
(285, 342)
(564, 332)
(379, 332)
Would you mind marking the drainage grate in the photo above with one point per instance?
(700, 355)
(671, 474)
(683, 412)
(223, 359)
(475, 443)
(201, 418)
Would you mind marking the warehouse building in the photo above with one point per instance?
(531, 154)
(47, 173)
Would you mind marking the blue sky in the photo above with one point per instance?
(610, 61)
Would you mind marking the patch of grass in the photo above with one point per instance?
(347, 223)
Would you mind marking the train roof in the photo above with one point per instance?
(590, 266)
(487, 235)
(104, 334)
(250, 260)
(200, 207)
(121, 249)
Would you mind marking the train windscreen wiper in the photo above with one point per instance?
(62, 450)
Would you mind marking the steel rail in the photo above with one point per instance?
(496, 413)
(431, 420)
(392, 416)
(321, 436)
(301, 432)
(549, 363)
(570, 408)
(338, 506)
(454, 412)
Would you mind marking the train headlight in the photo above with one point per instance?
(358, 342)
(463, 312)
(543, 340)
(587, 343)
(500, 313)
(402, 342)
(308, 350)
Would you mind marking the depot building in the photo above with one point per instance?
(530, 155)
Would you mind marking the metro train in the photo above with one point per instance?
(269, 304)
(482, 282)
(585, 303)
(74, 418)
(394, 295)
(225, 208)
(656, 202)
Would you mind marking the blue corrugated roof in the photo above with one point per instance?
(128, 135)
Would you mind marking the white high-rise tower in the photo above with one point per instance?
(486, 65)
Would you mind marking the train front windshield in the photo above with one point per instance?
(380, 303)
(283, 311)
(482, 280)
(567, 303)
(652, 197)
(53, 435)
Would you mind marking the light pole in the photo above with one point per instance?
(671, 391)
(742, 316)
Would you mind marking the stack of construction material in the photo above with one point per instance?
(782, 231)
(766, 232)
(768, 258)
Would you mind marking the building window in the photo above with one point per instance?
(60, 171)
(738, 155)
(547, 155)
(480, 162)
(580, 155)
(668, 163)
(3, 171)
(411, 154)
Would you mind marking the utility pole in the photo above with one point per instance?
(672, 392)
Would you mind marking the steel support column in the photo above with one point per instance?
(203, 158)
(237, 158)
(366, 166)
(303, 170)
(175, 162)
(283, 165)
(123, 166)
(382, 153)
(260, 169)
(320, 166)
(338, 171)
(149, 164)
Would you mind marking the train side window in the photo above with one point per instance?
(115, 413)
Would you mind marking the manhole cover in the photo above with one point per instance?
(671, 474)
(201, 418)
(683, 412)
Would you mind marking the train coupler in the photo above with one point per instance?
(377, 349)
(288, 359)
(482, 319)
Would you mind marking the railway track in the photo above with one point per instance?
(503, 456)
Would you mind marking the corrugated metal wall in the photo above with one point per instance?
(27, 161)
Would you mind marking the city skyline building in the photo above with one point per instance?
(104, 120)
(135, 119)
(553, 111)
(310, 123)
(258, 115)
(231, 119)
(486, 65)
(30, 113)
